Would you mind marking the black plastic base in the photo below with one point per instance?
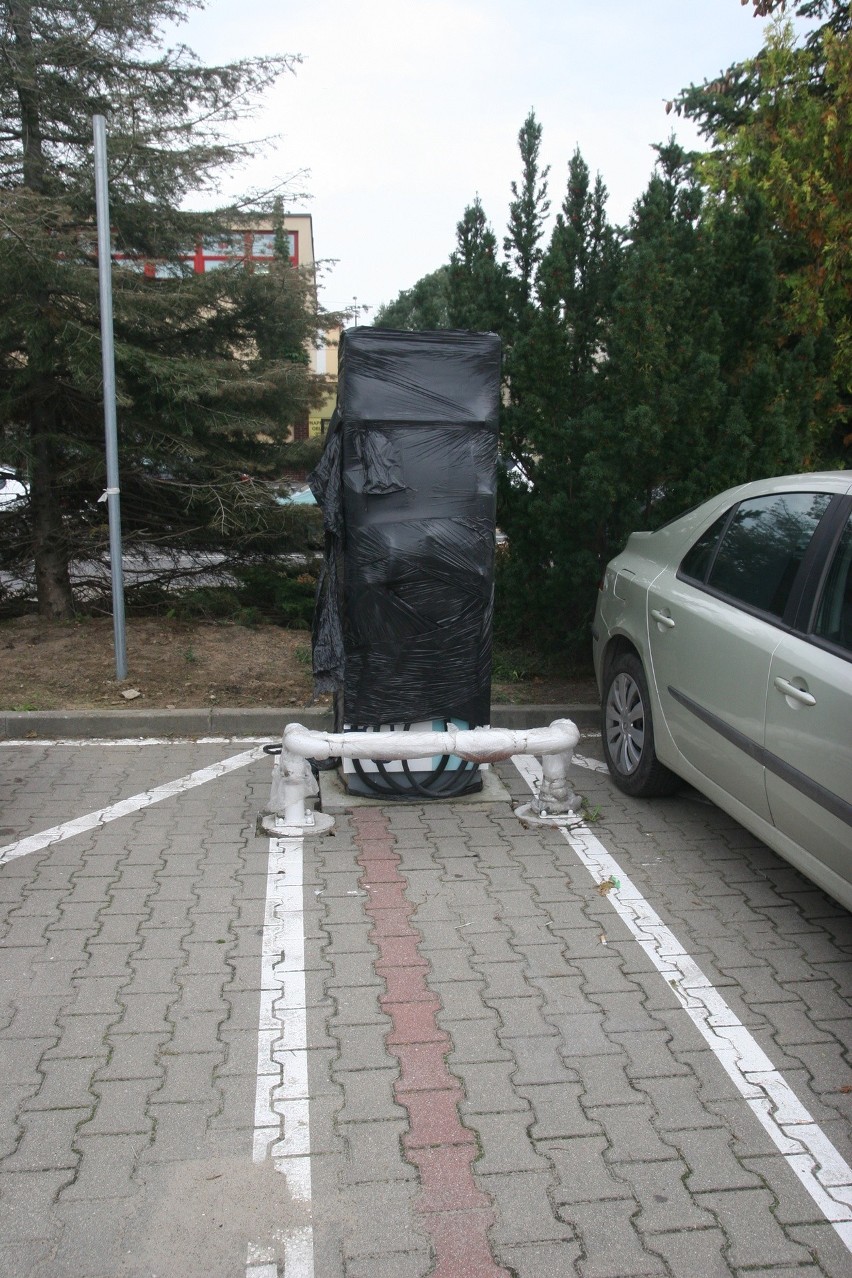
(413, 786)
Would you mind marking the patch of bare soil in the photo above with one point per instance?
(186, 665)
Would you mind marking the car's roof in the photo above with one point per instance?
(821, 481)
(683, 526)
(838, 481)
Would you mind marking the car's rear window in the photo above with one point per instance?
(834, 616)
(698, 559)
(753, 553)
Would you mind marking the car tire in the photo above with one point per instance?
(627, 731)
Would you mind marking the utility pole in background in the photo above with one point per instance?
(108, 361)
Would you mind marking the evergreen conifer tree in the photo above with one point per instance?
(523, 250)
(210, 368)
(528, 212)
(555, 386)
(423, 306)
(780, 128)
(477, 280)
(695, 395)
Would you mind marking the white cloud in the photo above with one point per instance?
(404, 109)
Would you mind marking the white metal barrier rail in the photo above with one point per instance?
(293, 779)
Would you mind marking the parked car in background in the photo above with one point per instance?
(12, 489)
(301, 496)
(723, 653)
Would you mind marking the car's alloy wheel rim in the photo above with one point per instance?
(625, 724)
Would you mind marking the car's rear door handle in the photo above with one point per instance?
(796, 694)
(662, 618)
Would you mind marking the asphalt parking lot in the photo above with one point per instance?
(434, 1042)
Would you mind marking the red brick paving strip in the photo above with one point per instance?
(456, 1214)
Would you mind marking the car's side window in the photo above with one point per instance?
(762, 548)
(834, 614)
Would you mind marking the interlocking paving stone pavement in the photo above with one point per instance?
(500, 1080)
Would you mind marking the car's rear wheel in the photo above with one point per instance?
(628, 732)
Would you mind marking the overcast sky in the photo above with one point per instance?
(403, 110)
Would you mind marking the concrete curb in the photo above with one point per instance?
(223, 722)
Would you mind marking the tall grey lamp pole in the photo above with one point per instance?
(108, 361)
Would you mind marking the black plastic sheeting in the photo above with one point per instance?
(407, 484)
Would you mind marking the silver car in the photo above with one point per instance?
(723, 654)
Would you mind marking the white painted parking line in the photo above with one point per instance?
(281, 1112)
(593, 765)
(807, 1150)
(260, 1268)
(126, 807)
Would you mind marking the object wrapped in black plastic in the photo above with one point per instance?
(407, 485)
